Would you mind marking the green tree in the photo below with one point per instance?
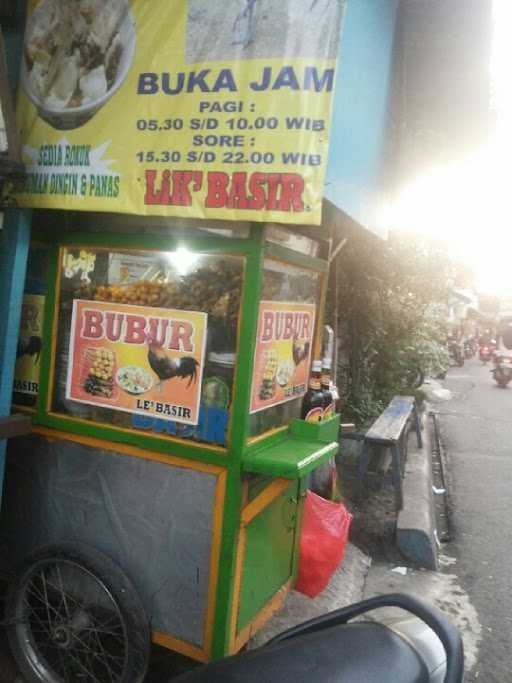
(389, 297)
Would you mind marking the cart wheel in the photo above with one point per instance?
(74, 617)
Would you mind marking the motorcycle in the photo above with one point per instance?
(502, 371)
(456, 352)
(468, 349)
(486, 352)
(422, 647)
(414, 377)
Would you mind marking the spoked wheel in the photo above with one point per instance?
(74, 617)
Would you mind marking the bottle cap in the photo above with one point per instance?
(317, 366)
(327, 363)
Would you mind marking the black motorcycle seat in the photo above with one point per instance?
(360, 652)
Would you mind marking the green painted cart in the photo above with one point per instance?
(203, 517)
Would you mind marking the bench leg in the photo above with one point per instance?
(362, 465)
(396, 473)
(417, 424)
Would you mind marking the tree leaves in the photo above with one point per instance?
(388, 319)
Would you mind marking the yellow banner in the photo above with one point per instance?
(188, 108)
(28, 354)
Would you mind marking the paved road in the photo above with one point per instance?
(476, 430)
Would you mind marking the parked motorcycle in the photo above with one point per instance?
(456, 351)
(502, 371)
(487, 351)
(469, 351)
(421, 647)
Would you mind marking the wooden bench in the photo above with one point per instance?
(390, 430)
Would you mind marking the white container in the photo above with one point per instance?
(68, 118)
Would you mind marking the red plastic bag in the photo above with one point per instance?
(323, 539)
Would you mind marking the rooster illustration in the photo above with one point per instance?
(30, 346)
(300, 351)
(167, 368)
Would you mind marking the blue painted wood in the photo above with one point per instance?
(14, 243)
(387, 430)
(389, 426)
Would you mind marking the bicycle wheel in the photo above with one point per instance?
(74, 617)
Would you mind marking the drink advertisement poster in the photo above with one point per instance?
(137, 359)
(28, 354)
(190, 108)
(283, 353)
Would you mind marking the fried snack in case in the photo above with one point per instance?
(99, 380)
(268, 380)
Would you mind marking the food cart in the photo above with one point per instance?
(173, 358)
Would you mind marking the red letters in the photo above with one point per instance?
(135, 329)
(284, 325)
(256, 191)
(217, 194)
(128, 328)
(175, 187)
(291, 195)
(181, 337)
(158, 330)
(268, 326)
(114, 331)
(239, 190)
(92, 325)
(288, 325)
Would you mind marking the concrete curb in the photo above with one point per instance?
(415, 529)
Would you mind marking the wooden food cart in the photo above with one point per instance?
(165, 430)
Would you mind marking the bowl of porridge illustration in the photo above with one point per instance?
(77, 54)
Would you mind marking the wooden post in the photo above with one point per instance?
(14, 243)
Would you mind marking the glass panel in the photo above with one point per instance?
(284, 284)
(304, 245)
(28, 353)
(239, 231)
(139, 356)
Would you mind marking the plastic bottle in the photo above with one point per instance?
(313, 401)
(325, 383)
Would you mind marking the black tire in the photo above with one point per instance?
(415, 378)
(501, 379)
(74, 616)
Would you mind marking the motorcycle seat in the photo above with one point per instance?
(359, 652)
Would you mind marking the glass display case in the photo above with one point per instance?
(149, 284)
